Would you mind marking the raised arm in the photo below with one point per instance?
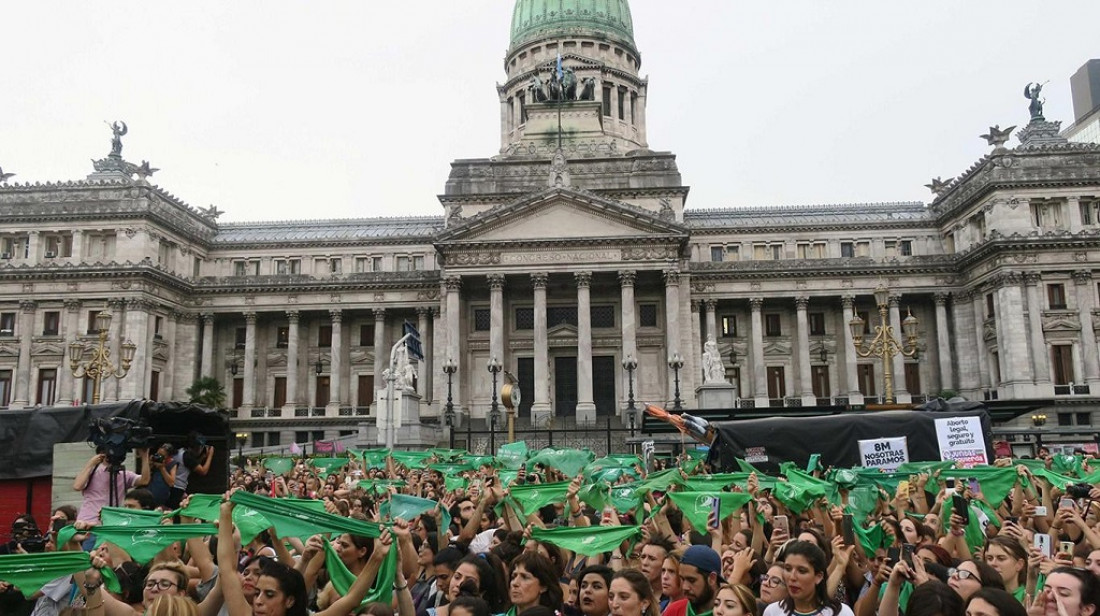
(143, 480)
(359, 589)
(81, 480)
(235, 602)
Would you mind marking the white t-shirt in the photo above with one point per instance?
(776, 609)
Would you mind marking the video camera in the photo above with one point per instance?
(116, 436)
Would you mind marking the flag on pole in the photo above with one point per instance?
(322, 447)
(560, 71)
(295, 448)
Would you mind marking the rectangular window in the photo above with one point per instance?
(817, 323)
(777, 251)
(362, 264)
(773, 325)
(336, 265)
(301, 437)
(318, 435)
(866, 317)
(523, 107)
(5, 387)
(7, 323)
(866, 377)
(912, 378)
(811, 250)
(1090, 211)
(733, 252)
(863, 249)
(819, 376)
(777, 382)
(273, 439)
(47, 386)
(321, 394)
(284, 267)
(483, 320)
(418, 263)
(158, 327)
(92, 316)
(324, 336)
(402, 264)
(847, 249)
(51, 323)
(602, 316)
(561, 315)
(279, 392)
(154, 385)
(647, 315)
(525, 318)
(905, 248)
(607, 101)
(717, 253)
(1056, 296)
(760, 252)
(1083, 419)
(240, 268)
(240, 335)
(1061, 363)
(164, 253)
(196, 267)
(366, 390)
(622, 103)
(282, 337)
(376, 264)
(1065, 419)
(891, 248)
(258, 439)
(366, 335)
(729, 326)
(803, 250)
(989, 311)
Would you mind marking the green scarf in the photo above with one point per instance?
(455, 482)
(411, 459)
(696, 506)
(586, 540)
(995, 482)
(327, 466)
(512, 456)
(279, 465)
(342, 579)
(294, 519)
(118, 516)
(407, 507)
(660, 482)
(142, 543)
(30, 572)
(530, 497)
(568, 461)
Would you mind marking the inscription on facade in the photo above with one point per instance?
(560, 257)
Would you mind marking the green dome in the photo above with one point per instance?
(533, 19)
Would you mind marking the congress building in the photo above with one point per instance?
(567, 256)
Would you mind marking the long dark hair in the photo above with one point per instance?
(816, 557)
(1090, 585)
(291, 584)
(491, 584)
(1002, 600)
(546, 573)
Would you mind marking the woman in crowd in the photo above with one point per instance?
(970, 576)
(594, 582)
(1009, 558)
(534, 582)
(734, 600)
(631, 595)
(805, 571)
(773, 588)
(1068, 592)
(671, 586)
(354, 551)
(483, 576)
(993, 602)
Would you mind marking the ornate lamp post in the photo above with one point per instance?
(450, 368)
(494, 368)
(884, 345)
(630, 365)
(675, 363)
(1038, 420)
(99, 366)
(242, 437)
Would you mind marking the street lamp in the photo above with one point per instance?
(494, 368)
(450, 368)
(242, 437)
(630, 365)
(675, 362)
(1038, 420)
(884, 345)
(99, 364)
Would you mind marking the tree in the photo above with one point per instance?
(207, 391)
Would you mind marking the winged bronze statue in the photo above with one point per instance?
(4, 176)
(997, 137)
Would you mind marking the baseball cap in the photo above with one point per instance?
(704, 559)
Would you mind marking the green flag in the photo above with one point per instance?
(626, 497)
(30, 572)
(455, 482)
(914, 468)
(512, 456)
(118, 516)
(697, 505)
(142, 543)
(411, 459)
(870, 539)
(342, 578)
(995, 482)
(568, 461)
(375, 458)
(595, 495)
(328, 466)
(447, 455)
(278, 464)
(451, 468)
(292, 519)
(660, 482)
(587, 540)
(407, 507)
(529, 498)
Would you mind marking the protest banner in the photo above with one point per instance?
(961, 439)
(885, 453)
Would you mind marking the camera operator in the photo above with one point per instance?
(94, 481)
(163, 474)
(195, 458)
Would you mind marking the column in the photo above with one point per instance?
(712, 321)
(78, 246)
(453, 285)
(207, 366)
(965, 348)
(185, 352)
(1085, 303)
(901, 393)
(1012, 328)
(855, 396)
(23, 383)
(496, 321)
(34, 254)
(292, 364)
(943, 342)
(336, 361)
(541, 395)
(439, 357)
(805, 383)
(249, 393)
(672, 321)
(65, 388)
(149, 341)
(110, 387)
(1040, 355)
(756, 350)
(586, 407)
(641, 115)
(168, 377)
(381, 351)
(423, 314)
(629, 328)
(978, 302)
(505, 125)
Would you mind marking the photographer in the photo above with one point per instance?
(195, 458)
(94, 481)
(163, 474)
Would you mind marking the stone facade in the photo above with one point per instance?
(561, 270)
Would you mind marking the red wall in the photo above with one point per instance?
(13, 502)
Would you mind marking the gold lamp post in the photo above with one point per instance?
(98, 365)
(884, 345)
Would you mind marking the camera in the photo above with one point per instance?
(33, 545)
(116, 436)
(157, 457)
(1078, 490)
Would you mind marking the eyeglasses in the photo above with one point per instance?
(772, 581)
(161, 584)
(963, 574)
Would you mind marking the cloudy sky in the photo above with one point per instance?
(349, 108)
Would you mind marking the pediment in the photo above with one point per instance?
(562, 331)
(562, 214)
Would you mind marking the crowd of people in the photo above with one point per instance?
(555, 533)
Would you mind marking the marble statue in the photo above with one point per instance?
(406, 371)
(713, 369)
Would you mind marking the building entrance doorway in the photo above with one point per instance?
(565, 386)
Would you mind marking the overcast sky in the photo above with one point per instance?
(279, 110)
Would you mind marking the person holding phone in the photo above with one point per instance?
(805, 570)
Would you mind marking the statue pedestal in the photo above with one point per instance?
(408, 431)
(580, 120)
(716, 396)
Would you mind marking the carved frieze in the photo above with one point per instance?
(1061, 321)
(160, 350)
(648, 253)
(275, 358)
(473, 258)
(9, 349)
(777, 347)
(51, 348)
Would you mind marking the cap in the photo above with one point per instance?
(704, 559)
